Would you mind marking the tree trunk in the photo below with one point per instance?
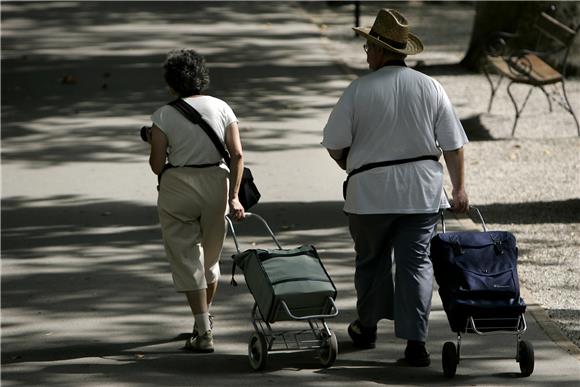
(515, 17)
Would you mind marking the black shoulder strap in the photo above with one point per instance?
(193, 115)
(366, 167)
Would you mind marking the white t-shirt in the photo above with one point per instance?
(394, 113)
(188, 144)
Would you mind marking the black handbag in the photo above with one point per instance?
(248, 193)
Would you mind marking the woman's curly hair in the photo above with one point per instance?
(186, 72)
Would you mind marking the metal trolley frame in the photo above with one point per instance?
(317, 336)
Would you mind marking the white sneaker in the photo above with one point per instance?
(202, 343)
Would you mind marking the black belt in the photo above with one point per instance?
(387, 163)
(169, 166)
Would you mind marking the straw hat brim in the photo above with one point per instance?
(414, 44)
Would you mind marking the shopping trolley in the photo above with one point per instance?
(287, 285)
(479, 288)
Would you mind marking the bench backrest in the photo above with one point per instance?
(555, 30)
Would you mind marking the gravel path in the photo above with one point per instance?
(528, 184)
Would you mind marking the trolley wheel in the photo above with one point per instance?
(257, 351)
(526, 357)
(328, 350)
(449, 359)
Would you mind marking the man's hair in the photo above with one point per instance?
(186, 72)
(394, 55)
(389, 53)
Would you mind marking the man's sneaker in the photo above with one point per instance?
(201, 343)
(416, 354)
(362, 337)
(195, 332)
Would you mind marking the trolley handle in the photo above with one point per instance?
(251, 215)
(334, 313)
(475, 209)
(233, 231)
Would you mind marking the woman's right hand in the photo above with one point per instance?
(236, 209)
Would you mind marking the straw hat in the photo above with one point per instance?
(391, 31)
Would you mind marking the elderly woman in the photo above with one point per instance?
(194, 195)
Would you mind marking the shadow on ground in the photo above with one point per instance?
(82, 75)
(562, 211)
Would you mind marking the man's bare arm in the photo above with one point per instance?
(455, 166)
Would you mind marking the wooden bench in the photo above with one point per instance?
(529, 67)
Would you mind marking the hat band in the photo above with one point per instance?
(390, 42)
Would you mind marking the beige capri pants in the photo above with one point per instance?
(192, 205)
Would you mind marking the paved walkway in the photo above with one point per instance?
(86, 295)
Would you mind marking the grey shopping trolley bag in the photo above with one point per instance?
(294, 276)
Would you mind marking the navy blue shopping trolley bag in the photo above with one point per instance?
(480, 290)
(477, 276)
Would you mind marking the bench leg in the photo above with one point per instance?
(569, 108)
(493, 86)
(518, 109)
(547, 97)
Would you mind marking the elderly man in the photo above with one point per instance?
(388, 131)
